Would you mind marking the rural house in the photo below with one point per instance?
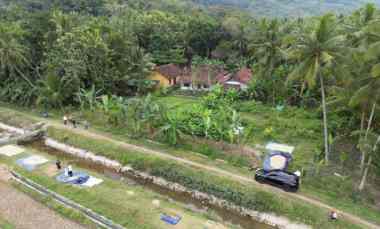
(201, 78)
(166, 75)
(238, 81)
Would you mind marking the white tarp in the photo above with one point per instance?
(11, 150)
(31, 162)
(275, 147)
(35, 160)
(92, 182)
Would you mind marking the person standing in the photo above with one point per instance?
(58, 164)
(333, 215)
(65, 119)
(74, 122)
(70, 171)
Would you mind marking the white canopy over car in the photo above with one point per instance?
(275, 147)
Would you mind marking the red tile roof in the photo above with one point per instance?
(171, 71)
(244, 75)
(205, 74)
(223, 77)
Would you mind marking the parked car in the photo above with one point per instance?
(286, 180)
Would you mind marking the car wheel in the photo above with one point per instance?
(259, 179)
(289, 188)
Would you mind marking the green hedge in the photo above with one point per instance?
(240, 194)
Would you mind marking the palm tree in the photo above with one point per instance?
(270, 37)
(317, 50)
(367, 93)
(267, 44)
(357, 26)
(13, 54)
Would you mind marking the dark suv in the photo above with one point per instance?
(286, 180)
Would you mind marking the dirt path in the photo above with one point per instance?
(244, 179)
(25, 213)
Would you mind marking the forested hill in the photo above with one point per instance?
(294, 8)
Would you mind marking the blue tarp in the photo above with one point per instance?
(77, 178)
(173, 220)
(267, 161)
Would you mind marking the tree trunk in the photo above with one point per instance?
(25, 78)
(364, 177)
(372, 115)
(325, 130)
(362, 162)
(361, 135)
(365, 174)
(270, 72)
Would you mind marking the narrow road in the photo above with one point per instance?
(25, 213)
(243, 179)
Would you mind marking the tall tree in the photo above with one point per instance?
(367, 94)
(315, 51)
(13, 53)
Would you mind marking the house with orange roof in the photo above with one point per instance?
(238, 81)
(166, 75)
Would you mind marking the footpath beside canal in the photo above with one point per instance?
(26, 213)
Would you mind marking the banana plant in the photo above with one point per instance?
(88, 98)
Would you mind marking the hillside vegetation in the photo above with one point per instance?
(292, 8)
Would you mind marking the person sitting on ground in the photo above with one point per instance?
(333, 215)
(70, 171)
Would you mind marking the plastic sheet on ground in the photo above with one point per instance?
(173, 220)
(31, 162)
(92, 181)
(11, 150)
(79, 178)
